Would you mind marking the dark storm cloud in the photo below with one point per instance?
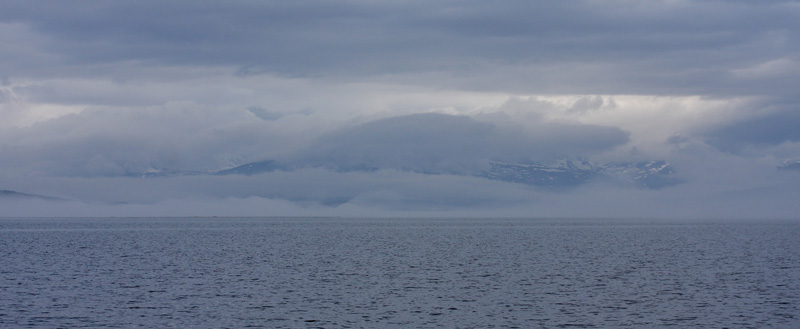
(657, 47)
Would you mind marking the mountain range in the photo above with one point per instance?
(567, 173)
(562, 173)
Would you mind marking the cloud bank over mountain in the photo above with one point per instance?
(400, 108)
(444, 143)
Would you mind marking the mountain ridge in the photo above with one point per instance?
(562, 173)
(9, 194)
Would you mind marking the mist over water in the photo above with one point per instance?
(397, 273)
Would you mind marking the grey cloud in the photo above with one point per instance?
(5, 96)
(264, 114)
(120, 142)
(776, 126)
(718, 184)
(654, 47)
(167, 85)
(185, 140)
(445, 143)
(267, 115)
(677, 139)
(587, 103)
(771, 130)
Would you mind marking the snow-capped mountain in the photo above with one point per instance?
(793, 165)
(157, 172)
(566, 173)
(648, 174)
(562, 173)
(252, 168)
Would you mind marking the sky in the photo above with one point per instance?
(93, 94)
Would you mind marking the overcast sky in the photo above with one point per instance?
(94, 91)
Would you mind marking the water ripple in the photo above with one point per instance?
(353, 273)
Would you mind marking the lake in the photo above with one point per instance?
(397, 273)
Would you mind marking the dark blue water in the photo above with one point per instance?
(396, 273)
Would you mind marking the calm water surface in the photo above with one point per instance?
(397, 273)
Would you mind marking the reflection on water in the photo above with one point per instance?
(352, 273)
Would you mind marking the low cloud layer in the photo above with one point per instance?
(410, 165)
(392, 193)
